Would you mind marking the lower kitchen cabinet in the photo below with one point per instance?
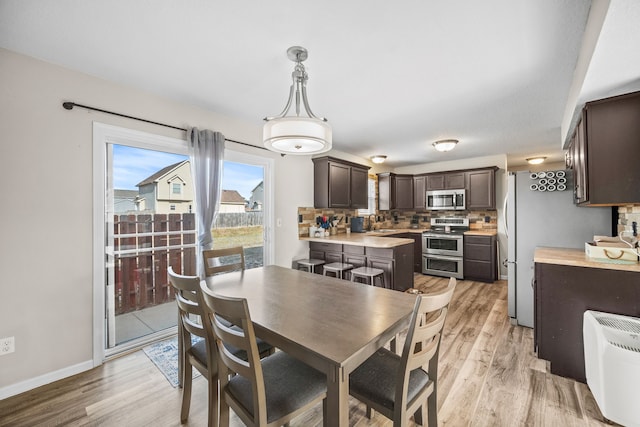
(480, 258)
(562, 294)
(417, 248)
(396, 262)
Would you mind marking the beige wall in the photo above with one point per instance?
(46, 256)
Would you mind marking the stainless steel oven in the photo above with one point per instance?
(442, 247)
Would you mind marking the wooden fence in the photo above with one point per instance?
(238, 219)
(144, 247)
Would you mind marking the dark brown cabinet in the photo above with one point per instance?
(339, 184)
(604, 152)
(395, 191)
(419, 192)
(446, 181)
(396, 262)
(417, 248)
(480, 258)
(561, 296)
(481, 189)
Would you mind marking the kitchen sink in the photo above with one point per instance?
(383, 230)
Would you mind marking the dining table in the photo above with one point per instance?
(331, 324)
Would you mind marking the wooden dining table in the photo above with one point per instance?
(331, 324)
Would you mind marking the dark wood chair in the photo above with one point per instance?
(202, 355)
(398, 386)
(218, 261)
(267, 392)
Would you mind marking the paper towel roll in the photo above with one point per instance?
(543, 181)
(562, 187)
(551, 187)
(542, 174)
(533, 175)
(551, 174)
(542, 188)
(533, 187)
(562, 180)
(560, 174)
(551, 181)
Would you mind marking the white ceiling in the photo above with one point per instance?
(391, 77)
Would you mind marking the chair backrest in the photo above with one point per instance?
(217, 309)
(223, 260)
(189, 308)
(423, 338)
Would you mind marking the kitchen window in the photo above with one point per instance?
(371, 199)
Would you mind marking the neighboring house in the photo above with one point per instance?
(257, 198)
(231, 201)
(125, 201)
(170, 190)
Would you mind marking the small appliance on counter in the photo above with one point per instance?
(357, 224)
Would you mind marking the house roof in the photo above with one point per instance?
(162, 172)
(261, 184)
(232, 197)
(125, 194)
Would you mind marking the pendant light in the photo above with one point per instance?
(297, 134)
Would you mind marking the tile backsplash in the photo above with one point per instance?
(393, 219)
(626, 216)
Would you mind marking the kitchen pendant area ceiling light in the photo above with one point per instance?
(445, 144)
(536, 160)
(297, 134)
(377, 159)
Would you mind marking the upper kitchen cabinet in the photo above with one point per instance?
(446, 181)
(339, 184)
(419, 192)
(604, 152)
(481, 189)
(395, 191)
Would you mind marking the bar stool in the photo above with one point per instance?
(309, 264)
(337, 268)
(369, 274)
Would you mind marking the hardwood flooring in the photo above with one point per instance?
(489, 376)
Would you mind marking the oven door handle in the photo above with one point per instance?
(443, 257)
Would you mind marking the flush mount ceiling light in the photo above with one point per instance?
(378, 158)
(295, 134)
(536, 160)
(445, 144)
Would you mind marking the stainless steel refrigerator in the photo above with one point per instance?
(542, 218)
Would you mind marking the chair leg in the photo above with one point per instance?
(369, 412)
(224, 411)
(432, 409)
(324, 412)
(213, 401)
(186, 392)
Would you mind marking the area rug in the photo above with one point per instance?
(164, 354)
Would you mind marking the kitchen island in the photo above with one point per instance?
(567, 283)
(394, 255)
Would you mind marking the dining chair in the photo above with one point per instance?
(200, 354)
(399, 386)
(267, 392)
(214, 264)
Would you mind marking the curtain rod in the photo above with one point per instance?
(69, 106)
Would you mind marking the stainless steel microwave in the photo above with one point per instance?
(446, 200)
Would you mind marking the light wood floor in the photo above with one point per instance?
(489, 376)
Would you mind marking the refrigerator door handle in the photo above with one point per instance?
(504, 217)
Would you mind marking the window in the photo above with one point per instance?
(176, 188)
(371, 192)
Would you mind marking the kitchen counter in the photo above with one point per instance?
(372, 240)
(577, 258)
(490, 232)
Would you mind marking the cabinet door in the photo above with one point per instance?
(330, 257)
(359, 188)
(339, 185)
(385, 264)
(581, 189)
(481, 189)
(403, 192)
(435, 182)
(454, 181)
(419, 192)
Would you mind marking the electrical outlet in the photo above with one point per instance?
(7, 345)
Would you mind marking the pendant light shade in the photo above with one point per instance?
(297, 134)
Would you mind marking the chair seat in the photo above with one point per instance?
(367, 271)
(289, 384)
(199, 350)
(309, 264)
(376, 379)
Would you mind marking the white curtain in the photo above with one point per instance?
(207, 156)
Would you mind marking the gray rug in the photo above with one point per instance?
(164, 354)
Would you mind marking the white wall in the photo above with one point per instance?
(46, 252)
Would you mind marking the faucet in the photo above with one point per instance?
(370, 226)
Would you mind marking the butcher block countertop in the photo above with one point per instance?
(577, 258)
(489, 232)
(371, 240)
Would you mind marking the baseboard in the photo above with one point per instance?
(47, 378)
(503, 277)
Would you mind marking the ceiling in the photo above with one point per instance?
(391, 77)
